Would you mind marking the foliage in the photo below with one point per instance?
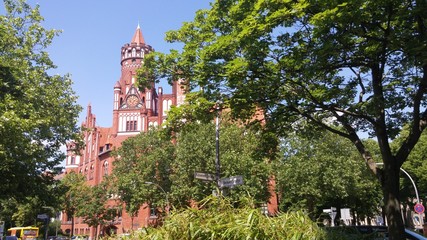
(309, 177)
(141, 159)
(38, 112)
(360, 65)
(218, 219)
(24, 212)
(416, 167)
(195, 109)
(94, 207)
(74, 187)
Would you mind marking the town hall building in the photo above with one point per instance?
(134, 111)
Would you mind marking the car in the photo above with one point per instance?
(367, 232)
(78, 237)
(62, 238)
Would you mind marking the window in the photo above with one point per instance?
(119, 214)
(153, 212)
(131, 126)
(105, 168)
(73, 160)
(91, 172)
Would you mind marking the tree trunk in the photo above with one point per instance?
(390, 188)
(72, 226)
(96, 232)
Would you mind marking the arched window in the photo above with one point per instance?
(105, 168)
(133, 52)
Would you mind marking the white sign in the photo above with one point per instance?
(345, 214)
(204, 176)
(230, 181)
(42, 216)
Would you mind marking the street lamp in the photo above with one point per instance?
(157, 185)
(217, 159)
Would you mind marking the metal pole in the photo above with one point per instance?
(217, 161)
(48, 220)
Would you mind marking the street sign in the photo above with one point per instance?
(42, 216)
(230, 181)
(204, 176)
(419, 208)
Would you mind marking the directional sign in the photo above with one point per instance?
(230, 181)
(42, 216)
(419, 208)
(204, 176)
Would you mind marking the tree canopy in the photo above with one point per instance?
(140, 162)
(320, 171)
(360, 65)
(38, 111)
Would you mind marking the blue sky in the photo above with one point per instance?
(93, 34)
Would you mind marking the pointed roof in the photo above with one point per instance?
(117, 85)
(137, 37)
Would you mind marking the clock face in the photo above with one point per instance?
(132, 100)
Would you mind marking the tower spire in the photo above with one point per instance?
(137, 37)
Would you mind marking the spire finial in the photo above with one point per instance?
(138, 25)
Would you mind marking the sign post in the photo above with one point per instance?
(332, 213)
(419, 208)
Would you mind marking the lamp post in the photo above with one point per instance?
(48, 220)
(160, 187)
(217, 159)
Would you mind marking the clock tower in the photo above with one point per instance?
(133, 107)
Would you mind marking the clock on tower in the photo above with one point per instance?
(132, 100)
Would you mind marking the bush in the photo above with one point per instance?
(217, 219)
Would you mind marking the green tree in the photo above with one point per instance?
(38, 112)
(94, 206)
(360, 65)
(142, 159)
(74, 189)
(416, 166)
(309, 177)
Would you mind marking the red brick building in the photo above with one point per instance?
(134, 111)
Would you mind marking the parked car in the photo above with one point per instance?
(367, 232)
(62, 238)
(78, 237)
